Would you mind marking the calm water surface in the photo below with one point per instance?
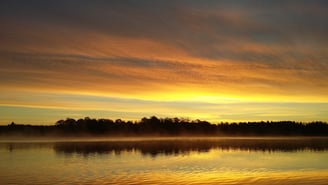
(165, 161)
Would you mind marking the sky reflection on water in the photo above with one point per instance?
(192, 161)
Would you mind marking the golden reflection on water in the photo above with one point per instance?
(228, 178)
(166, 162)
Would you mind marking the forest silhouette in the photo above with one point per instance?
(154, 126)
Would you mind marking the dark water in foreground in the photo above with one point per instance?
(166, 161)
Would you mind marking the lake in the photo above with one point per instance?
(165, 161)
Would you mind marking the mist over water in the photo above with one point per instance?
(165, 161)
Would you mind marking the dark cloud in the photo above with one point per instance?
(200, 24)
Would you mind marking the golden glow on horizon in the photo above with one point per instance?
(186, 78)
(216, 55)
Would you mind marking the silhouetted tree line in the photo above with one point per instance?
(154, 126)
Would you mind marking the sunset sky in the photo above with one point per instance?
(210, 60)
